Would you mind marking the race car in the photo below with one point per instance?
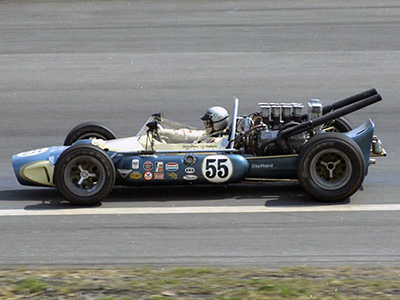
(315, 145)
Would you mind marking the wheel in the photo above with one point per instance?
(88, 130)
(331, 167)
(84, 174)
(341, 124)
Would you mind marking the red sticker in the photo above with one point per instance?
(148, 165)
(148, 176)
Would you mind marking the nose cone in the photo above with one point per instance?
(35, 167)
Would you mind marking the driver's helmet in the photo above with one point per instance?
(215, 119)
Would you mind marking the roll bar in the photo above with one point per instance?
(233, 129)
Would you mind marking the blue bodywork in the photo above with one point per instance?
(151, 169)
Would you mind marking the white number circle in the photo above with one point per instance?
(32, 152)
(217, 168)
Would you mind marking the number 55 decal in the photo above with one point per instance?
(217, 168)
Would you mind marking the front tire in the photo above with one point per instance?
(89, 130)
(84, 174)
(331, 167)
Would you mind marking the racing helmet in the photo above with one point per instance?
(215, 119)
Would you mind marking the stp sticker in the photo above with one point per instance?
(135, 164)
(148, 176)
(148, 165)
(172, 166)
(217, 168)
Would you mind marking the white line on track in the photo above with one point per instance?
(198, 210)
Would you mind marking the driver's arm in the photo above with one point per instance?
(180, 135)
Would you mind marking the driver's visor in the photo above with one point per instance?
(206, 117)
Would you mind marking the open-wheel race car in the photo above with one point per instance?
(317, 146)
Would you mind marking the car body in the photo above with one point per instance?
(329, 162)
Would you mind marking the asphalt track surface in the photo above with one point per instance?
(65, 62)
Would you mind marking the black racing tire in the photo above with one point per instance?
(88, 130)
(341, 124)
(84, 174)
(331, 167)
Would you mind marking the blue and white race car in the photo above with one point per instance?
(317, 146)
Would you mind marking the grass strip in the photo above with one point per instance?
(201, 283)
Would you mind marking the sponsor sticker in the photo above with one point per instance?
(136, 175)
(148, 176)
(190, 160)
(124, 173)
(135, 164)
(32, 152)
(172, 166)
(262, 166)
(190, 177)
(190, 170)
(148, 165)
(159, 166)
(158, 176)
(172, 175)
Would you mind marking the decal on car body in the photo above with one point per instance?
(190, 160)
(32, 152)
(135, 164)
(159, 166)
(158, 176)
(217, 168)
(148, 165)
(190, 170)
(172, 175)
(190, 177)
(136, 175)
(124, 173)
(148, 176)
(172, 166)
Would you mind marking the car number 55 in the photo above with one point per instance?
(217, 168)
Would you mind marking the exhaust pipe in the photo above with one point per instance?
(330, 116)
(348, 101)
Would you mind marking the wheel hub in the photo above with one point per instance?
(331, 169)
(84, 175)
(330, 166)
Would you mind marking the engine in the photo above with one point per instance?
(258, 133)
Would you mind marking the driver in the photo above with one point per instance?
(216, 121)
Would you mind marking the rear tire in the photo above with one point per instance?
(331, 167)
(341, 124)
(88, 130)
(84, 174)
